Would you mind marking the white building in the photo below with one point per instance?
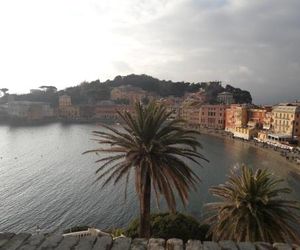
(29, 110)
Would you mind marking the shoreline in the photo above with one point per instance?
(292, 165)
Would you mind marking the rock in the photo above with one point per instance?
(51, 241)
(246, 246)
(33, 242)
(67, 243)
(86, 243)
(263, 246)
(194, 245)
(122, 243)
(209, 245)
(228, 245)
(139, 244)
(103, 243)
(156, 244)
(4, 237)
(282, 246)
(174, 244)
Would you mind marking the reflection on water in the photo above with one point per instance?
(46, 181)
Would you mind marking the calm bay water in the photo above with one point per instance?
(46, 181)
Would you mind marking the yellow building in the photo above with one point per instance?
(285, 124)
(130, 93)
(246, 133)
(66, 109)
(191, 115)
(64, 101)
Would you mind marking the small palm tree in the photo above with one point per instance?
(154, 149)
(252, 209)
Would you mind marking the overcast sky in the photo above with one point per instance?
(253, 45)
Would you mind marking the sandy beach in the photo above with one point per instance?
(293, 166)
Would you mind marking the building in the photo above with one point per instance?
(66, 110)
(30, 111)
(64, 101)
(199, 96)
(236, 115)
(259, 117)
(285, 124)
(225, 98)
(212, 116)
(130, 93)
(191, 115)
(245, 133)
(110, 112)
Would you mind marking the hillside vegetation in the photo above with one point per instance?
(95, 91)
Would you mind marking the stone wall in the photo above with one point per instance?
(25, 241)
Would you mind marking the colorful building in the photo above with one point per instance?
(285, 124)
(245, 133)
(236, 116)
(66, 110)
(191, 115)
(259, 117)
(110, 112)
(212, 116)
(130, 93)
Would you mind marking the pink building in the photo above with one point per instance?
(212, 116)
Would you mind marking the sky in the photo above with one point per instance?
(253, 45)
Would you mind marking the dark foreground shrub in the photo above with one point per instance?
(167, 225)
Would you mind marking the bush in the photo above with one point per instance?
(167, 225)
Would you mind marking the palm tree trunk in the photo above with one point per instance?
(145, 202)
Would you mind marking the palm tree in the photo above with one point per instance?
(252, 209)
(4, 91)
(154, 149)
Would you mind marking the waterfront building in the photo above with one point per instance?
(130, 93)
(259, 117)
(191, 115)
(64, 101)
(212, 116)
(172, 105)
(110, 112)
(246, 133)
(87, 112)
(66, 110)
(236, 115)
(285, 124)
(225, 98)
(27, 110)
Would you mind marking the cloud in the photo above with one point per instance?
(122, 67)
(249, 44)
